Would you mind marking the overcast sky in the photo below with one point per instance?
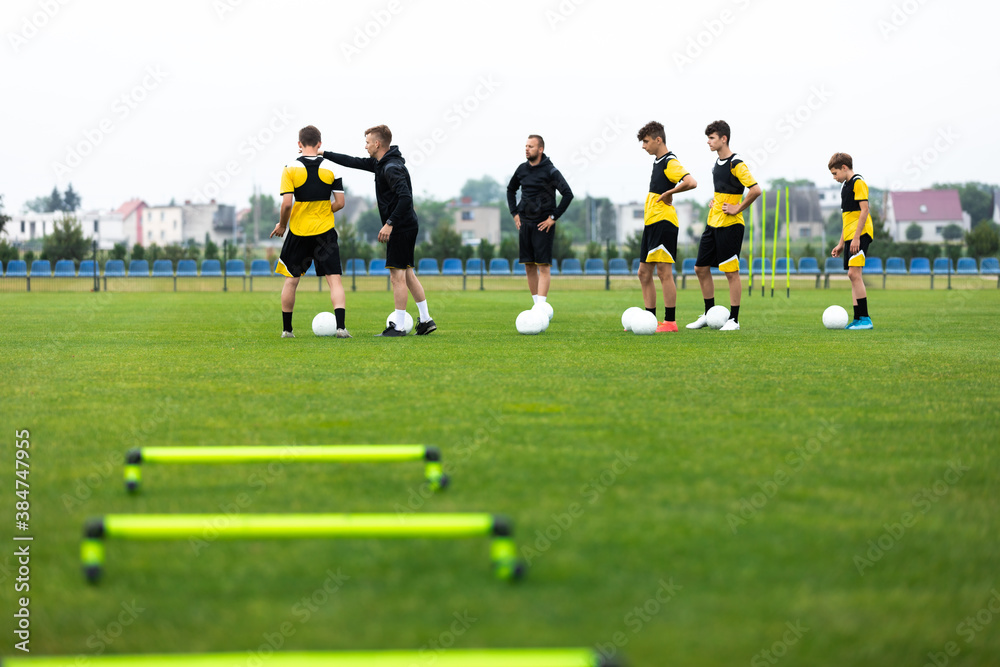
(194, 99)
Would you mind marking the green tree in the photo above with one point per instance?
(509, 248)
(71, 200)
(983, 240)
(38, 204)
(268, 218)
(562, 244)
(118, 251)
(191, 250)
(607, 220)
(56, 200)
(976, 197)
(445, 242)
(914, 232)
(66, 240)
(952, 233)
(174, 252)
(153, 253)
(633, 246)
(7, 251)
(368, 225)
(211, 248)
(486, 250)
(138, 252)
(485, 190)
(4, 218)
(594, 250)
(431, 213)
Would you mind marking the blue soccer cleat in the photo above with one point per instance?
(863, 323)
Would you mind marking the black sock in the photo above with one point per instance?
(287, 321)
(734, 313)
(857, 309)
(669, 314)
(709, 303)
(652, 310)
(340, 314)
(863, 307)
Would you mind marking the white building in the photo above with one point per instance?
(474, 222)
(103, 226)
(931, 210)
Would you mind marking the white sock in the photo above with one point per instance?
(400, 320)
(541, 299)
(534, 298)
(422, 307)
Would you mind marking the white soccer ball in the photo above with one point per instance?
(545, 307)
(717, 316)
(325, 324)
(835, 317)
(644, 323)
(531, 322)
(407, 322)
(628, 315)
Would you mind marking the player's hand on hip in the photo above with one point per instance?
(546, 225)
(517, 222)
(855, 246)
(279, 230)
(667, 199)
(730, 209)
(383, 234)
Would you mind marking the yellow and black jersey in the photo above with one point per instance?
(311, 181)
(852, 193)
(730, 175)
(667, 173)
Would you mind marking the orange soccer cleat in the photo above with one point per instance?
(666, 327)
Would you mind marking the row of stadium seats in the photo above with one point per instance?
(919, 266)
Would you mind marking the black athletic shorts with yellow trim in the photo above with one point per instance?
(298, 252)
(399, 249)
(659, 243)
(862, 254)
(721, 246)
(535, 245)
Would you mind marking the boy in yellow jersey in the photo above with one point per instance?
(659, 233)
(307, 213)
(723, 238)
(858, 233)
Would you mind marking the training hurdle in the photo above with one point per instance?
(503, 552)
(431, 456)
(541, 657)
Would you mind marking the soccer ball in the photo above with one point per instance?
(325, 324)
(644, 323)
(407, 321)
(628, 315)
(835, 317)
(717, 316)
(531, 322)
(546, 308)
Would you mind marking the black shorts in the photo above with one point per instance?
(298, 252)
(859, 259)
(399, 249)
(721, 246)
(535, 245)
(659, 243)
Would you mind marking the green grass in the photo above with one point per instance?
(842, 429)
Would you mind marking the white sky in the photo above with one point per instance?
(909, 88)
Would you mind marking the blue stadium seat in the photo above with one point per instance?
(499, 267)
(920, 266)
(41, 267)
(687, 266)
(757, 263)
(517, 268)
(594, 266)
(809, 266)
(989, 266)
(452, 266)
(355, 266)
(428, 266)
(17, 268)
(87, 268)
(187, 268)
(745, 267)
(211, 267)
(571, 267)
(873, 265)
(163, 268)
(65, 268)
(311, 271)
(138, 268)
(618, 266)
(781, 264)
(943, 265)
(834, 265)
(474, 265)
(377, 268)
(967, 266)
(895, 266)
(114, 268)
(236, 267)
(635, 265)
(554, 269)
(258, 267)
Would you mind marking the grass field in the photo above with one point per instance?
(684, 499)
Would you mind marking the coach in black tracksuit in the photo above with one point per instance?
(399, 223)
(536, 213)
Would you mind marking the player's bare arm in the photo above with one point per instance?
(837, 248)
(286, 212)
(862, 221)
(517, 222)
(337, 203)
(687, 183)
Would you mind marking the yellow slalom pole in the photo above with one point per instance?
(788, 247)
(750, 268)
(763, 241)
(774, 244)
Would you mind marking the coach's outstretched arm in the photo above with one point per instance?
(567, 195)
(364, 163)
